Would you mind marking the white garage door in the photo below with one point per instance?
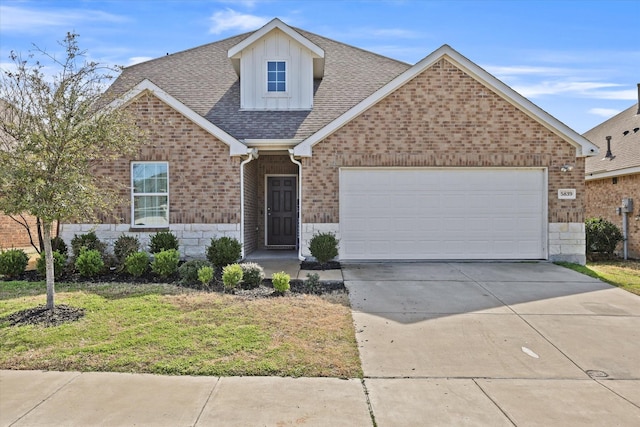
(461, 213)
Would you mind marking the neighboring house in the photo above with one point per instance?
(614, 174)
(277, 134)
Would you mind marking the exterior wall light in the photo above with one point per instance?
(566, 168)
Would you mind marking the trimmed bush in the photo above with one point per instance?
(125, 246)
(137, 263)
(223, 251)
(89, 263)
(163, 241)
(57, 244)
(205, 275)
(281, 282)
(13, 262)
(252, 274)
(231, 276)
(165, 263)
(88, 241)
(188, 271)
(59, 263)
(324, 247)
(602, 236)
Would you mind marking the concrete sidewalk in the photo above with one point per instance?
(33, 398)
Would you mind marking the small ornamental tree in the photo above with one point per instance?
(52, 131)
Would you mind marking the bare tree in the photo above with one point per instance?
(51, 133)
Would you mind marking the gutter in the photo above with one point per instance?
(253, 154)
(293, 160)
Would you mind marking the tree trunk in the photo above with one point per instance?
(39, 226)
(48, 252)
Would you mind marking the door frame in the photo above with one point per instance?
(266, 212)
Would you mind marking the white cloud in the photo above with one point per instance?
(604, 112)
(24, 20)
(229, 19)
(523, 70)
(593, 90)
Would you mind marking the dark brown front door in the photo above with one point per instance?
(281, 211)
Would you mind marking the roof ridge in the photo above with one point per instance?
(168, 55)
(301, 31)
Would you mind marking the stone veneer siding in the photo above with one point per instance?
(192, 238)
(442, 117)
(603, 197)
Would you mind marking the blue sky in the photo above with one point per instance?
(579, 60)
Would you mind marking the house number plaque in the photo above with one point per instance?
(567, 193)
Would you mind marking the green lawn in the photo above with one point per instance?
(623, 274)
(167, 329)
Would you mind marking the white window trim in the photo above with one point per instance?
(276, 94)
(134, 194)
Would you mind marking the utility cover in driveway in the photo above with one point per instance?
(443, 213)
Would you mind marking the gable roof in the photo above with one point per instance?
(236, 148)
(204, 80)
(624, 130)
(583, 146)
(317, 53)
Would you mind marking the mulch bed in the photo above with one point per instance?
(42, 316)
(61, 313)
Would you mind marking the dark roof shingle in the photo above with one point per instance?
(204, 80)
(624, 130)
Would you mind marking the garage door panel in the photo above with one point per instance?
(442, 213)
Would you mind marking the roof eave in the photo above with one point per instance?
(316, 50)
(610, 174)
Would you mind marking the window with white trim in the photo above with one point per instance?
(150, 194)
(276, 76)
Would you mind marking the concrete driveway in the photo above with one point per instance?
(495, 344)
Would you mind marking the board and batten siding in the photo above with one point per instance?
(277, 46)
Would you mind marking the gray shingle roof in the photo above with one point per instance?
(204, 80)
(624, 130)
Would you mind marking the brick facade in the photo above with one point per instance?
(204, 181)
(442, 117)
(605, 195)
(13, 235)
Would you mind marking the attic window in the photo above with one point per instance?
(276, 76)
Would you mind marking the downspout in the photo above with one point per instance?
(253, 154)
(300, 257)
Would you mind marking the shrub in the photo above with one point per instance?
(223, 251)
(57, 244)
(166, 263)
(231, 276)
(324, 247)
(205, 275)
(163, 241)
(125, 246)
(602, 236)
(188, 271)
(281, 281)
(59, 263)
(252, 274)
(87, 241)
(313, 282)
(137, 263)
(13, 262)
(89, 263)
